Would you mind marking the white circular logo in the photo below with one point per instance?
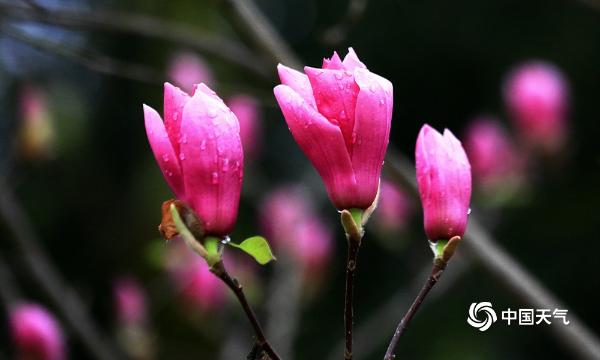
(481, 309)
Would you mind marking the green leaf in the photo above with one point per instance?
(257, 247)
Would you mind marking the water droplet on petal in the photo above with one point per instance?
(203, 145)
(182, 156)
(165, 158)
(212, 112)
(469, 211)
(215, 178)
(338, 75)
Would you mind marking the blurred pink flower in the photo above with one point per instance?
(130, 301)
(36, 333)
(247, 110)
(289, 220)
(340, 116)
(187, 69)
(537, 95)
(444, 179)
(394, 209)
(194, 282)
(199, 150)
(493, 156)
(37, 133)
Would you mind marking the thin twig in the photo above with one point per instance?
(576, 336)
(221, 272)
(262, 32)
(43, 272)
(141, 25)
(436, 272)
(88, 58)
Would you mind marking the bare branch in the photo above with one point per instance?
(88, 58)
(141, 25)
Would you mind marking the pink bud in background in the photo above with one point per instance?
(494, 158)
(130, 301)
(194, 282)
(37, 133)
(289, 220)
(199, 151)
(247, 111)
(36, 333)
(187, 69)
(340, 116)
(444, 180)
(536, 95)
(199, 287)
(394, 209)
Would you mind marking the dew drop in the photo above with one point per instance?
(381, 102)
(182, 156)
(165, 158)
(212, 113)
(215, 178)
(203, 145)
(469, 211)
(339, 75)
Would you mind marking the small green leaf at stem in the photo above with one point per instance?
(257, 247)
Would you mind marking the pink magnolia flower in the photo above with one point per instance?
(36, 333)
(493, 157)
(340, 116)
(187, 69)
(444, 179)
(199, 151)
(394, 208)
(536, 94)
(130, 301)
(247, 111)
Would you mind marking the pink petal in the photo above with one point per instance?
(372, 131)
(352, 62)
(212, 161)
(335, 93)
(297, 81)
(322, 143)
(174, 99)
(163, 151)
(335, 63)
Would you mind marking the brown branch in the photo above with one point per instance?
(436, 272)
(219, 270)
(141, 25)
(47, 278)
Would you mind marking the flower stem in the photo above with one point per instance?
(353, 247)
(436, 272)
(219, 270)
